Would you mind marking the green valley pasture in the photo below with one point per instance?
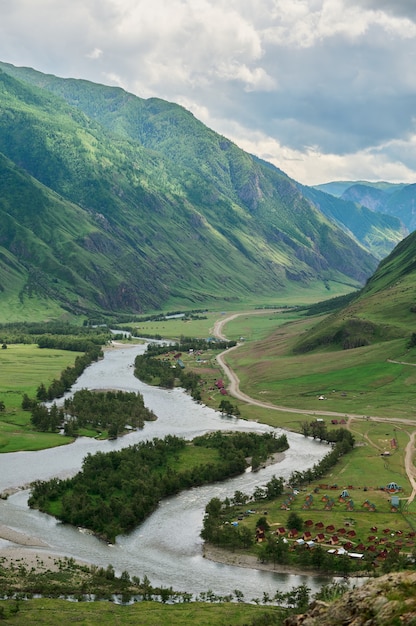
(22, 368)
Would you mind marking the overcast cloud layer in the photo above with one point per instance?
(324, 89)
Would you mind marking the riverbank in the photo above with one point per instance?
(14, 536)
(163, 551)
(17, 549)
(20, 549)
(239, 559)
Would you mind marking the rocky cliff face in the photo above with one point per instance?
(384, 601)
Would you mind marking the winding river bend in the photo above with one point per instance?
(167, 547)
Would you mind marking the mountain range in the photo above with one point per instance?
(113, 203)
(397, 199)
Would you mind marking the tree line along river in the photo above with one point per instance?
(167, 546)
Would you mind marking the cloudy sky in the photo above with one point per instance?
(324, 89)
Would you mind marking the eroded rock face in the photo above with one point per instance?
(384, 601)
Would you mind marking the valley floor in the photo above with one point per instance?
(234, 390)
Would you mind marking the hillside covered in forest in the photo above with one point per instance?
(109, 202)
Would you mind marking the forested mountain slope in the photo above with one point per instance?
(113, 203)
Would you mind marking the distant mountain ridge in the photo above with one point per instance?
(395, 199)
(377, 231)
(113, 203)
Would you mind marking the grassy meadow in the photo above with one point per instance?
(177, 327)
(362, 380)
(46, 612)
(253, 325)
(22, 368)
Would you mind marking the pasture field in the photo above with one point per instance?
(47, 612)
(367, 382)
(247, 326)
(260, 324)
(175, 328)
(376, 380)
(22, 368)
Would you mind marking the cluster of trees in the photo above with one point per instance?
(44, 419)
(217, 527)
(69, 375)
(156, 317)
(58, 335)
(155, 371)
(102, 410)
(106, 410)
(160, 371)
(331, 305)
(71, 342)
(250, 445)
(353, 333)
(218, 530)
(319, 430)
(229, 408)
(342, 441)
(190, 343)
(116, 491)
(412, 341)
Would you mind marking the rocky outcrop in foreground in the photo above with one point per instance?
(384, 601)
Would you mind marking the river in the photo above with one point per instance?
(167, 547)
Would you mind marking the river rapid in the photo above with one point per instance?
(167, 547)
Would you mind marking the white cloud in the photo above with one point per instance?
(95, 54)
(311, 166)
(304, 24)
(252, 79)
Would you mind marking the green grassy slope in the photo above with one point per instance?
(384, 309)
(124, 204)
(174, 132)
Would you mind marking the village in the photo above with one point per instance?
(339, 524)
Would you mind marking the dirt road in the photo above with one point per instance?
(234, 389)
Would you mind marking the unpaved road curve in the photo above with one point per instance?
(234, 390)
(409, 465)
